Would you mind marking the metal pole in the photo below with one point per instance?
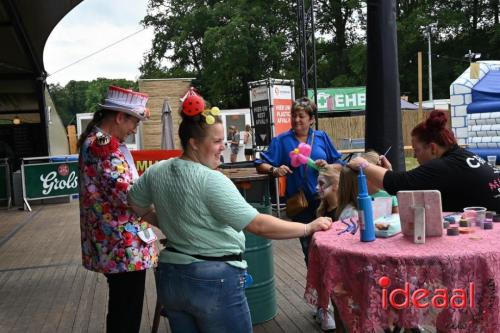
(315, 72)
(430, 60)
(302, 47)
(419, 77)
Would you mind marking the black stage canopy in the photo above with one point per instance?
(25, 26)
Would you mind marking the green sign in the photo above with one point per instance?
(50, 179)
(340, 99)
(3, 182)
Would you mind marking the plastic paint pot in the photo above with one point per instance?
(452, 231)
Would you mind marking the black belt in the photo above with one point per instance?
(231, 257)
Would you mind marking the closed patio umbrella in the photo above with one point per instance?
(167, 135)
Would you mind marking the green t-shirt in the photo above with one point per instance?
(199, 210)
(383, 194)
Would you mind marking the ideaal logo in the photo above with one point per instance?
(423, 298)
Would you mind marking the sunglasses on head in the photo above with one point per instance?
(303, 101)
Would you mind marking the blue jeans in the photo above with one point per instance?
(308, 215)
(206, 296)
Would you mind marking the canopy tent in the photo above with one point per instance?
(25, 26)
(486, 94)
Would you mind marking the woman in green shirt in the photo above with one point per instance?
(203, 215)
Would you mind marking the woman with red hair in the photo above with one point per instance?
(464, 179)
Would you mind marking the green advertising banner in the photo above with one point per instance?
(340, 99)
(3, 182)
(50, 179)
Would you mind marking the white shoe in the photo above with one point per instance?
(325, 319)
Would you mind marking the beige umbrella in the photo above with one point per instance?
(167, 135)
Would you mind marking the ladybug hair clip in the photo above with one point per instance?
(193, 105)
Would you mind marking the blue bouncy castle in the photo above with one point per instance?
(475, 108)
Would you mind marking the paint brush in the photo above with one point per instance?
(385, 154)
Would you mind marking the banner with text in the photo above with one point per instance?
(340, 99)
(46, 180)
(260, 115)
(281, 97)
(145, 158)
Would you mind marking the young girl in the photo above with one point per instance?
(347, 203)
(328, 185)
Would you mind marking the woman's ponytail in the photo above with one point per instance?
(96, 120)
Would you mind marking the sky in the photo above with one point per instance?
(91, 26)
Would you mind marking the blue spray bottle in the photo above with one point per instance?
(365, 210)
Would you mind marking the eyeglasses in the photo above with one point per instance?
(304, 101)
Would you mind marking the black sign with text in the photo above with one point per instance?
(262, 122)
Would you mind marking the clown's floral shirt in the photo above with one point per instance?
(108, 226)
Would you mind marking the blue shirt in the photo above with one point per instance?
(278, 154)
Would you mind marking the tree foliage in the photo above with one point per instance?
(226, 44)
(223, 44)
(83, 96)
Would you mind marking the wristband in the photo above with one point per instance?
(271, 171)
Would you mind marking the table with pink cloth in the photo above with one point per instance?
(348, 270)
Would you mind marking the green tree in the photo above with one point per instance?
(60, 100)
(69, 100)
(83, 96)
(343, 20)
(459, 26)
(224, 44)
(96, 91)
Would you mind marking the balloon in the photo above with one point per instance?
(300, 156)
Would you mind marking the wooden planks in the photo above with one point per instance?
(44, 288)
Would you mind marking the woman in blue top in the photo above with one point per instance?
(201, 274)
(276, 160)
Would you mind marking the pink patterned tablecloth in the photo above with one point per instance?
(348, 271)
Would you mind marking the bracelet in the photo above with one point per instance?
(271, 171)
(305, 230)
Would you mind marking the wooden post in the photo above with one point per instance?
(474, 70)
(72, 139)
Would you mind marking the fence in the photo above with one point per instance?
(349, 131)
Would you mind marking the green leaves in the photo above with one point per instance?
(83, 96)
(226, 44)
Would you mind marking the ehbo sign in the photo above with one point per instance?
(421, 298)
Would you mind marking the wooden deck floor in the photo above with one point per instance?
(43, 287)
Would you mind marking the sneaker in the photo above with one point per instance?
(325, 319)
(317, 315)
